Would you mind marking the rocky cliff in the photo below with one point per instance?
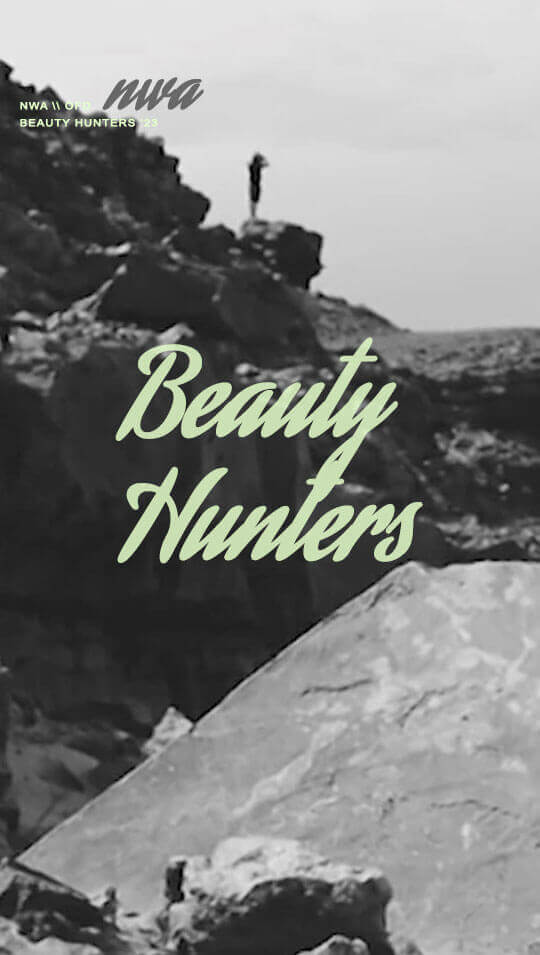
(401, 732)
(104, 251)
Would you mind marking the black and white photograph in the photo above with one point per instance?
(270, 477)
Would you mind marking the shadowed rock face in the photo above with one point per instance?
(485, 463)
(339, 945)
(402, 732)
(285, 249)
(41, 906)
(68, 196)
(253, 897)
(41, 915)
(273, 897)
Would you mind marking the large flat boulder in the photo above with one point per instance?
(401, 732)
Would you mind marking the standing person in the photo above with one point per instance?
(109, 906)
(256, 166)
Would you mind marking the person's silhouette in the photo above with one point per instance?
(256, 166)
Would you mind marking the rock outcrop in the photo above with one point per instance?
(171, 726)
(69, 197)
(484, 465)
(339, 945)
(287, 250)
(41, 907)
(266, 896)
(43, 916)
(274, 897)
(401, 732)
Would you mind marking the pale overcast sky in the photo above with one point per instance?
(406, 131)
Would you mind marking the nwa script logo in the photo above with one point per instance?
(149, 94)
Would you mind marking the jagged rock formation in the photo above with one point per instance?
(264, 896)
(274, 897)
(41, 915)
(40, 907)
(339, 945)
(287, 250)
(69, 197)
(484, 468)
(402, 731)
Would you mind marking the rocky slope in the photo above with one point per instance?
(484, 390)
(401, 732)
(104, 251)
